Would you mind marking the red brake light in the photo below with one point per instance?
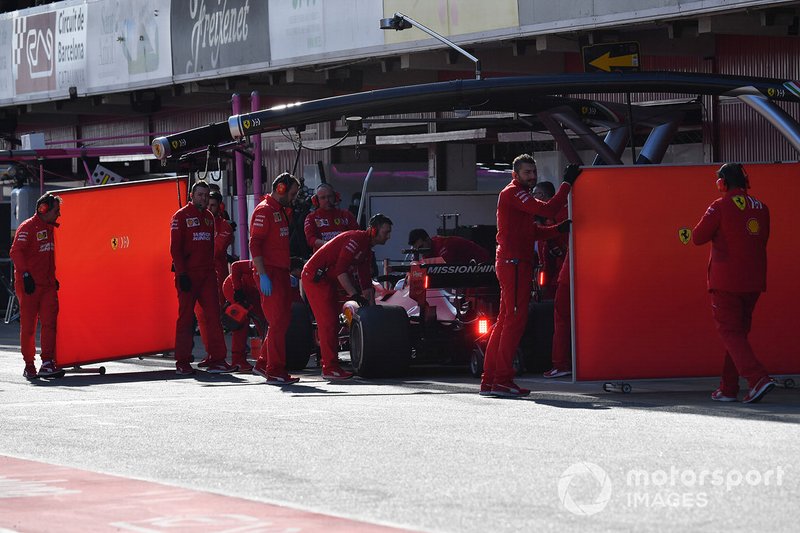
(541, 278)
(483, 326)
(426, 282)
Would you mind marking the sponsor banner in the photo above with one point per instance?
(453, 17)
(311, 27)
(34, 54)
(70, 51)
(6, 55)
(210, 35)
(128, 43)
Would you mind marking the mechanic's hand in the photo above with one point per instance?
(360, 300)
(265, 284)
(239, 296)
(564, 227)
(571, 174)
(30, 285)
(184, 282)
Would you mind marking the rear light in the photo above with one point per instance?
(542, 278)
(483, 326)
(426, 282)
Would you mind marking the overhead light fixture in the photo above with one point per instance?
(355, 124)
(462, 112)
(403, 22)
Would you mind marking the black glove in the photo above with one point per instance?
(563, 227)
(58, 285)
(184, 282)
(239, 296)
(30, 285)
(571, 174)
(360, 300)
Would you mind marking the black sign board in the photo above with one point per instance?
(611, 57)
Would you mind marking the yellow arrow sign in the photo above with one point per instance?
(606, 62)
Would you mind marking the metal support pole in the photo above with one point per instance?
(241, 190)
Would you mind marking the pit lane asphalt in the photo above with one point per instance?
(424, 453)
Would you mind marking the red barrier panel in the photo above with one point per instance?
(117, 296)
(641, 305)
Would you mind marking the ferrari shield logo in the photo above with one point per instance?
(685, 235)
(246, 124)
(114, 243)
(739, 201)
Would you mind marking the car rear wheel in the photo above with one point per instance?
(299, 338)
(379, 341)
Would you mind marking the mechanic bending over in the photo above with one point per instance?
(269, 248)
(192, 249)
(33, 254)
(454, 249)
(240, 287)
(332, 265)
(516, 234)
(327, 220)
(737, 225)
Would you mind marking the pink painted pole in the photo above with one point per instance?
(241, 191)
(255, 105)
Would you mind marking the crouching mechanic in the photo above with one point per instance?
(516, 234)
(192, 249)
(454, 249)
(240, 287)
(329, 267)
(33, 254)
(738, 226)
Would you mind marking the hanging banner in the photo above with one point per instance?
(642, 309)
(117, 296)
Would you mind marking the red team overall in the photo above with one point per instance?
(192, 250)
(240, 287)
(269, 248)
(327, 221)
(33, 254)
(516, 234)
(737, 225)
(329, 268)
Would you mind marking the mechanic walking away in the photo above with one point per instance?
(453, 249)
(327, 220)
(331, 266)
(269, 248)
(516, 234)
(33, 254)
(192, 249)
(738, 227)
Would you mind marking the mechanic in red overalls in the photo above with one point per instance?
(192, 250)
(33, 254)
(329, 268)
(269, 248)
(516, 234)
(223, 237)
(737, 225)
(454, 249)
(240, 287)
(327, 220)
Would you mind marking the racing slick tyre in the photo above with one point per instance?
(379, 341)
(476, 361)
(299, 338)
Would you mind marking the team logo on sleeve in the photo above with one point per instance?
(685, 235)
(739, 202)
(753, 227)
(192, 222)
(41, 235)
(277, 216)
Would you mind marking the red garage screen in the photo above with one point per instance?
(117, 297)
(641, 305)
